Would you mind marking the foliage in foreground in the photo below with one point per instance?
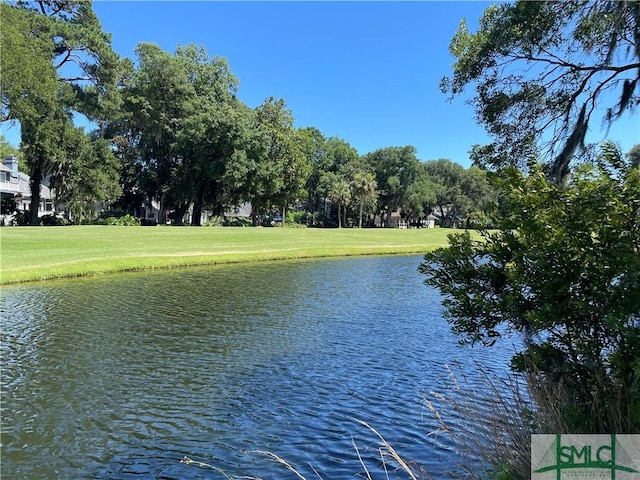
(388, 460)
(492, 428)
(563, 272)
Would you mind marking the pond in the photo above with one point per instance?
(122, 376)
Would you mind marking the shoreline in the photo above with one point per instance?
(39, 254)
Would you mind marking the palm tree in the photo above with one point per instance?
(340, 194)
(364, 186)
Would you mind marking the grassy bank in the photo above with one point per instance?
(40, 253)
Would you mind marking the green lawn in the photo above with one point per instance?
(39, 253)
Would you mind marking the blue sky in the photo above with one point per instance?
(367, 72)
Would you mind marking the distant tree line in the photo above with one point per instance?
(170, 129)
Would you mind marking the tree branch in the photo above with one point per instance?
(75, 79)
(574, 67)
(64, 60)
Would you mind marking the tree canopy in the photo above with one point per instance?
(544, 73)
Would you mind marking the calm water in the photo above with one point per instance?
(121, 376)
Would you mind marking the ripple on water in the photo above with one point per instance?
(121, 376)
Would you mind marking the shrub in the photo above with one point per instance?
(236, 222)
(563, 273)
(300, 218)
(123, 221)
(213, 222)
(52, 220)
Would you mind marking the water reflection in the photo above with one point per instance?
(121, 376)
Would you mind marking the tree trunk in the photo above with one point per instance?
(34, 185)
(441, 215)
(324, 211)
(254, 213)
(196, 216)
(162, 212)
(178, 215)
(283, 214)
(361, 205)
(339, 217)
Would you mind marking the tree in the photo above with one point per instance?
(454, 189)
(395, 170)
(563, 272)
(544, 72)
(340, 162)
(447, 178)
(213, 128)
(479, 196)
(339, 155)
(90, 178)
(26, 66)
(340, 194)
(364, 187)
(284, 168)
(295, 170)
(130, 172)
(155, 99)
(181, 127)
(314, 147)
(216, 142)
(421, 195)
(58, 54)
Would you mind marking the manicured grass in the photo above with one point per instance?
(39, 253)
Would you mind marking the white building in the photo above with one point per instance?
(15, 184)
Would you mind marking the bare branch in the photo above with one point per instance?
(64, 60)
(574, 67)
(75, 79)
